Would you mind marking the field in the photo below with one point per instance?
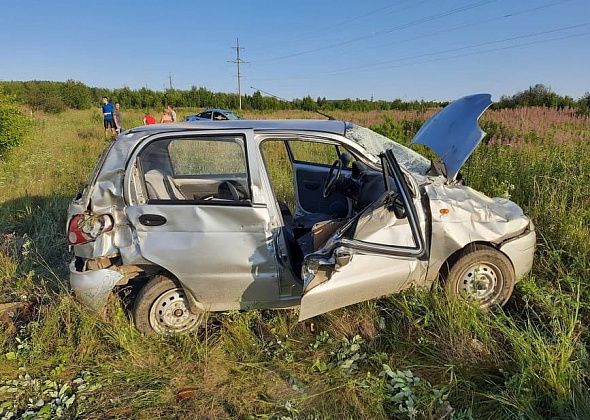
(415, 355)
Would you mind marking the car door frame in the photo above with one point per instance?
(319, 168)
(344, 283)
(258, 201)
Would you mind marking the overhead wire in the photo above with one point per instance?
(384, 65)
(481, 44)
(406, 25)
(340, 24)
(479, 22)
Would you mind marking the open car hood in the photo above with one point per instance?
(453, 133)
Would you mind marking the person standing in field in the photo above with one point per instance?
(149, 119)
(172, 112)
(118, 118)
(166, 117)
(107, 115)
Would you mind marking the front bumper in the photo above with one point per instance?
(521, 251)
(93, 287)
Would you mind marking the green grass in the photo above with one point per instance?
(528, 361)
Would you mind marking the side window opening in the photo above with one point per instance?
(313, 152)
(210, 170)
(219, 116)
(280, 172)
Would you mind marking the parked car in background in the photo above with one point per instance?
(196, 218)
(213, 114)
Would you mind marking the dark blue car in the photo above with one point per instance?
(213, 114)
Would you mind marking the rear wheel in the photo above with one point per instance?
(481, 274)
(161, 307)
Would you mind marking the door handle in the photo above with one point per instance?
(152, 220)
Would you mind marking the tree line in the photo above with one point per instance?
(55, 97)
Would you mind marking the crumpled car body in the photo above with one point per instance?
(197, 203)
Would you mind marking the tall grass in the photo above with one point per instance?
(528, 361)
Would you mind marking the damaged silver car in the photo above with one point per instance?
(216, 216)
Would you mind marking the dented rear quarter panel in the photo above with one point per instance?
(104, 195)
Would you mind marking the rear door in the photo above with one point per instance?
(189, 220)
(311, 161)
(381, 252)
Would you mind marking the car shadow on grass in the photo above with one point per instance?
(33, 243)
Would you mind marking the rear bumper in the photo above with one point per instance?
(521, 251)
(93, 287)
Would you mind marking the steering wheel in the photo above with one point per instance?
(331, 179)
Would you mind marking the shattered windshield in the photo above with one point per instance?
(376, 144)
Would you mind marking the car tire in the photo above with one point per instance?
(161, 307)
(481, 274)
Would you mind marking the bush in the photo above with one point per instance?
(13, 125)
(45, 99)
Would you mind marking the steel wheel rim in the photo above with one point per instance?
(481, 282)
(170, 313)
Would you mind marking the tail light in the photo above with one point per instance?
(86, 227)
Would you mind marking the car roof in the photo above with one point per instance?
(327, 126)
(218, 110)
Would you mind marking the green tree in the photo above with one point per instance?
(13, 124)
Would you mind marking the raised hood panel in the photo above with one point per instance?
(453, 133)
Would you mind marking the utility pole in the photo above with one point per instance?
(238, 61)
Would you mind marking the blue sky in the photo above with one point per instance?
(412, 49)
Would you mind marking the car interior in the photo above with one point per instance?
(327, 195)
(165, 178)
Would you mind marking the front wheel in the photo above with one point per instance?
(161, 307)
(481, 274)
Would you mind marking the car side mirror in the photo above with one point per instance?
(396, 205)
(342, 256)
(345, 158)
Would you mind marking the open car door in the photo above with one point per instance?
(380, 251)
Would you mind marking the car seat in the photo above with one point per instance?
(162, 187)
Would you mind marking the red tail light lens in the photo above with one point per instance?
(86, 227)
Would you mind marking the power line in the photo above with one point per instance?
(238, 61)
(364, 15)
(542, 41)
(381, 64)
(467, 25)
(386, 31)
(340, 24)
(481, 44)
(268, 93)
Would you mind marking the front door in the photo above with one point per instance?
(195, 215)
(385, 254)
